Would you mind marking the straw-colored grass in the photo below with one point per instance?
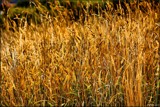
(104, 61)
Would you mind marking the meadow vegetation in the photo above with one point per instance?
(109, 58)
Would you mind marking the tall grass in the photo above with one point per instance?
(105, 61)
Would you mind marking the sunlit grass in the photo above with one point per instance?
(104, 61)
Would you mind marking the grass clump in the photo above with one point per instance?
(99, 61)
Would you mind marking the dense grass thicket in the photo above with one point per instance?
(108, 58)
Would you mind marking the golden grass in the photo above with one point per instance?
(111, 60)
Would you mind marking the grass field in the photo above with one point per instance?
(103, 61)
